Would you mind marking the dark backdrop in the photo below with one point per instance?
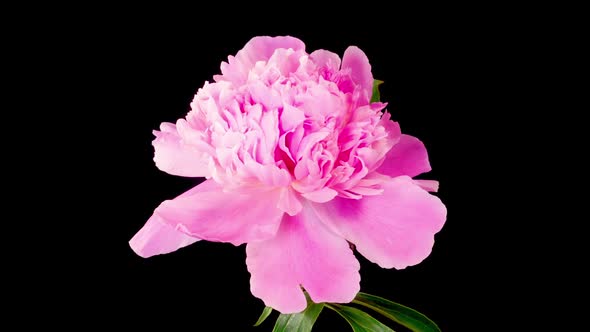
(142, 70)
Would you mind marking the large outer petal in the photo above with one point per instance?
(175, 157)
(303, 253)
(257, 49)
(356, 60)
(408, 157)
(157, 237)
(213, 215)
(395, 229)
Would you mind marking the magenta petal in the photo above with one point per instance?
(175, 157)
(210, 214)
(303, 253)
(408, 157)
(358, 63)
(395, 229)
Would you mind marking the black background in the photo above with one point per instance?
(130, 72)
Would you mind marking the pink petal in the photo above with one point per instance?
(395, 229)
(303, 253)
(257, 49)
(269, 174)
(407, 157)
(213, 215)
(326, 60)
(291, 117)
(289, 201)
(264, 95)
(428, 185)
(321, 196)
(175, 157)
(157, 237)
(262, 47)
(286, 60)
(355, 59)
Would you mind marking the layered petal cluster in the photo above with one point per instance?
(298, 163)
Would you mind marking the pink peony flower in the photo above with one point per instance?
(298, 164)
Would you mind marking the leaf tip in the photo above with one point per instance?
(265, 313)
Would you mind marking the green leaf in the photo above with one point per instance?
(376, 95)
(301, 322)
(359, 320)
(265, 313)
(403, 315)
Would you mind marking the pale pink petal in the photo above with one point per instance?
(289, 201)
(408, 157)
(395, 229)
(175, 157)
(262, 48)
(213, 215)
(366, 191)
(269, 174)
(321, 196)
(286, 60)
(157, 237)
(257, 49)
(304, 253)
(326, 60)
(356, 60)
(264, 95)
(318, 103)
(291, 117)
(428, 185)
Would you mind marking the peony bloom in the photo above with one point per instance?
(298, 163)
